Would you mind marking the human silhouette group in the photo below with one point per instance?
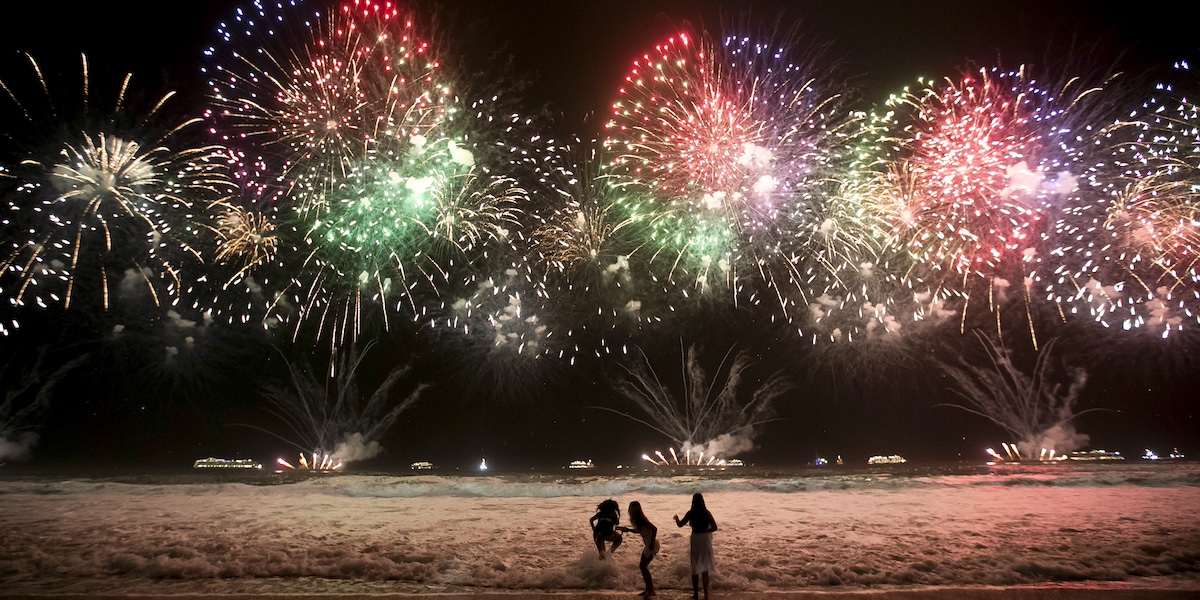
(607, 528)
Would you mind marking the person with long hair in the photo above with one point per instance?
(604, 525)
(640, 525)
(700, 550)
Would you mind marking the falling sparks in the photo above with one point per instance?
(356, 186)
(99, 209)
(386, 201)
(986, 164)
(736, 149)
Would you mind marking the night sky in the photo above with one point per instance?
(127, 408)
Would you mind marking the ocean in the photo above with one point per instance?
(650, 479)
(1123, 525)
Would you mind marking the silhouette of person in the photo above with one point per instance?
(639, 524)
(700, 550)
(604, 525)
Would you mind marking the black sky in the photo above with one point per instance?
(575, 53)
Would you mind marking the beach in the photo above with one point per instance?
(450, 536)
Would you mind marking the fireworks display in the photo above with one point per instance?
(1145, 221)
(324, 463)
(965, 202)
(734, 148)
(318, 92)
(384, 200)
(1013, 454)
(96, 206)
(683, 458)
(589, 242)
(703, 410)
(986, 166)
(353, 178)
(246, 239)
(1029, 404)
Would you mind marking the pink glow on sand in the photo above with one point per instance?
(358, 534)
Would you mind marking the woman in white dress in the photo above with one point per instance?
(701, 552)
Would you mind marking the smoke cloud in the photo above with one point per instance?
(133, 284)
(726, 445)
(18, 447)
(1060, 438)
(356, 447)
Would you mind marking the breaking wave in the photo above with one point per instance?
(654, 481)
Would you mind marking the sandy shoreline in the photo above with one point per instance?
(969, 593)
(360, 536)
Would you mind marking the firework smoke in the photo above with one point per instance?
(1029, 406)
(26, 399)
(329, 417)
(709, 412)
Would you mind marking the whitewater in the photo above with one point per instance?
(1128, 526)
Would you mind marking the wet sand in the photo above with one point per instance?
(360, 536)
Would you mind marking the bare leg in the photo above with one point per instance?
(600, 547)
(616, 543)
(695, 587)
(644, 565)
(705, 576)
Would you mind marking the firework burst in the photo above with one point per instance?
(736, 144)
(247, 250)
(94, 200)
(505, 307)
(331, 416)
(708, 413)
(397, 242)
(590, 240)
(1030, 405)
(319, 92)
(588, 229)
(985, 167)
(497, 329)
(246, 239)
(385, 204)
(1145, 222)
(856, 281)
